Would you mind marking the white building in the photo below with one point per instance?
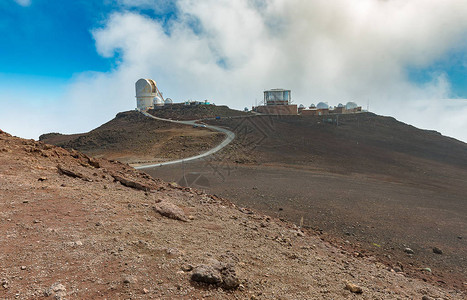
(277, 97)
(146, 91)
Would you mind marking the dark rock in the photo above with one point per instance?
(229, 278)
(187, 268)
(409, 251)
(207, 274)
(217, 273)
(131, 183)
(5, 283)
(436, 250)
(70, 173)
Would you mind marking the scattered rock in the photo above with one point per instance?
(57, 290)
(63, 171)
(5, 283)
(25, 201)
(245, 211)
(408, 251)
(145, 291)
(187, 268)
(23, 267)
(229, 278)
(170, 210)
(131, 183)
(207, 274)
(436, 250)
(129, 279)
(353, 288)
(94, 163)
(426, 269)
(42, 179)
(216, 273)
(426, 298)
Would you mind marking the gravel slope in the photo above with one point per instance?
(80, 228)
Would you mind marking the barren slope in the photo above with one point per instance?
(132, 137)
(184, 112)
(372, 182)
(82, 228)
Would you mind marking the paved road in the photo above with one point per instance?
(229, 137)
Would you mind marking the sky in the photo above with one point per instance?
(70, 66)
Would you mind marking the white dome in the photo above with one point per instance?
(145, 88)
(340, 105)
(351, 105)
(158, 101)
(168, 101)
(322, 105)
(301, 106)
(312, 105)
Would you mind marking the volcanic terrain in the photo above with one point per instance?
(134, 138)
(370, 184)
(84, 228)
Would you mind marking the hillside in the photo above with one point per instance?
(77, 227)
(372, 182)
(183, 112)
(361, 143)
(131, 137)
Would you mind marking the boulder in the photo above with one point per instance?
(171, 211)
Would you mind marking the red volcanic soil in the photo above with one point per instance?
(77, 227)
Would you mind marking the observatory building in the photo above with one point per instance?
(147, 94)
(322, 108)
(277, 97)
(277, 102)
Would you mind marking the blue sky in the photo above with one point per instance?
(59, 58)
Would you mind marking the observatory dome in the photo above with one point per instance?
(158, 101)
(340, 105)
(322, 105)
(146, 90)
(168, 101)
(312, 105)
(351, 105)
(301, 106)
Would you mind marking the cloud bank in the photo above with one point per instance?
(230, 51)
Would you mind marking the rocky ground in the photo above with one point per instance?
(133, 138)
(81, 228)
(184, 112)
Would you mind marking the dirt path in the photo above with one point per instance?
(230, 136)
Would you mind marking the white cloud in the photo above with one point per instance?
(23, 2)
(335, 51)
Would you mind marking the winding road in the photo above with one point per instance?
(229, 138)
